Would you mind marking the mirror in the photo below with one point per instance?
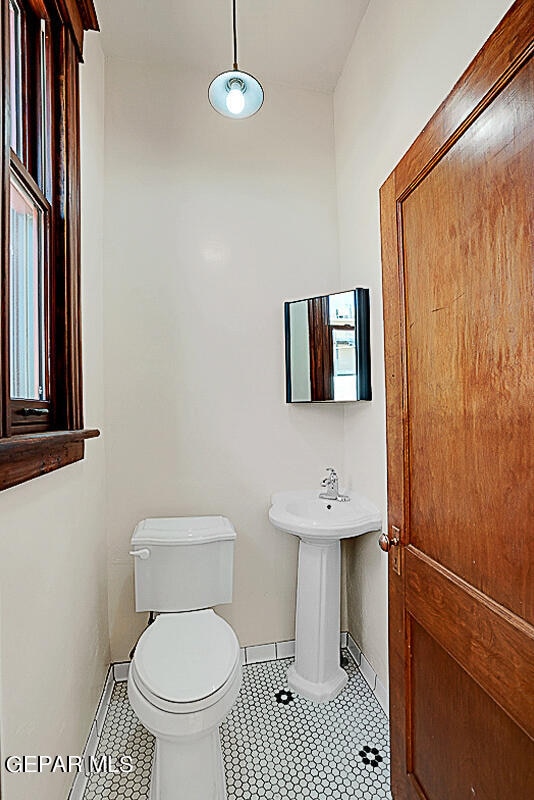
(328, 357)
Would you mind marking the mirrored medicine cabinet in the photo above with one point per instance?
(328, 357)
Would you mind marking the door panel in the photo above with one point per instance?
(457, 223)
(446, 752)
(470, 350)
(492, 645)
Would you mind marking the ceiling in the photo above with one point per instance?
(302, 43)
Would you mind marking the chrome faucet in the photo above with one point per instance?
(331, 485)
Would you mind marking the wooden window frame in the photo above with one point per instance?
(33, 443)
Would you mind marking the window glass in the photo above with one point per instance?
(341, 308)
(15, 77)
(344, 364)
(27, 296)
(45, 156)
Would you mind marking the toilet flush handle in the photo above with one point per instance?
(144, 553)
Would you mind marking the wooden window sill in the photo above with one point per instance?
(29, 455)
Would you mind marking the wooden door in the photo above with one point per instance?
(458, 261)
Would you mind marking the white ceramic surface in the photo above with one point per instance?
(185, 658)
(305, 514)
(183, 530)
(320, 524)
(187, 756)
(183, 563)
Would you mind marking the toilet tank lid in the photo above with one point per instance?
(183, 530)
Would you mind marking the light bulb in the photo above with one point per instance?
(235, 102)
(235, 94)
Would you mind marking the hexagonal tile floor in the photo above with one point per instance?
(275, 744)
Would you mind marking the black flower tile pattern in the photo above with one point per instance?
(370, 755)
(296, 750)
(284, 696)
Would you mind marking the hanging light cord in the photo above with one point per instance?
(235, 34)
(234, 93)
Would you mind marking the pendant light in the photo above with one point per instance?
(235, 94)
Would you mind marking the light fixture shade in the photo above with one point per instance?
(251, 89)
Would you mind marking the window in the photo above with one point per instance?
(31, 199)
(28, 262)
(41, 419)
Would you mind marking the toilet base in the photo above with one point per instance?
(188, 762)
(192, 770)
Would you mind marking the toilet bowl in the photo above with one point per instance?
(183, 680)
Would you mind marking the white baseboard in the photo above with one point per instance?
(80, 781)
(120, 671)
(377, 687)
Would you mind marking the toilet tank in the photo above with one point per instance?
(183, 563)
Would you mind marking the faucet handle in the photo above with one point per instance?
(332, 476)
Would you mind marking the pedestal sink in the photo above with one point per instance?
(320, 525)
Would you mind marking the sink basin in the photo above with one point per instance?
(305, 514)
(320, 525)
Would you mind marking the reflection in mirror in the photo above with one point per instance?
(327, 348)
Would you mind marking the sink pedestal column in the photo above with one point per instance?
(316, 673)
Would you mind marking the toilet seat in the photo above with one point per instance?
(186, 662)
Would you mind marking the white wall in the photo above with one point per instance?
(210, 225)
(54, 628)
(404, 61)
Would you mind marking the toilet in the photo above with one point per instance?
(186, 670)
